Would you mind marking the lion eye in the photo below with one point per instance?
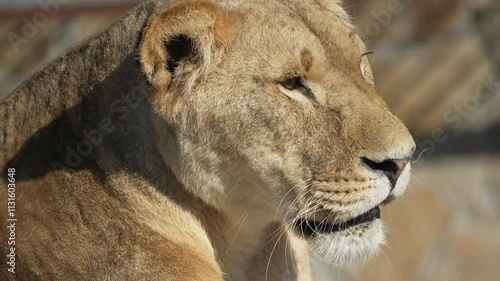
(291, 84)
(298, 84)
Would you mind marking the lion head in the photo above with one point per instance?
(270, 106)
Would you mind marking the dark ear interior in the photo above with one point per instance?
(179, 47)
(179, 34)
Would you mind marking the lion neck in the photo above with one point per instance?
(243, 204)
(240, 234)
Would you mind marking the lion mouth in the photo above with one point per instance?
(309, 228)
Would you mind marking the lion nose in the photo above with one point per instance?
(392, 168)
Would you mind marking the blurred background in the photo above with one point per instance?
(437, 64)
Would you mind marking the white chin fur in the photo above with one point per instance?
(347, 247)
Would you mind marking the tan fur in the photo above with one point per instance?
(167, 148)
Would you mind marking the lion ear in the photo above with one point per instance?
(188, 32)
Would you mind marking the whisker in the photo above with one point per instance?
(420, 154)
(418, 177)
(272, 251)
(236, 224)
(290, 209)
(237, 232)
(286, 258)
(281, 201)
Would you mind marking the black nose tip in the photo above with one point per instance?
(391, 167)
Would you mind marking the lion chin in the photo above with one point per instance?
(345, 244)
(347, 248)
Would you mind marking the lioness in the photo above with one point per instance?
(200, 140)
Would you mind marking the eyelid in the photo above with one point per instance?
(302, 84)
